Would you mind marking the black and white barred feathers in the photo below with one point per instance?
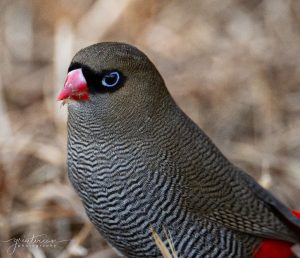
(137, 161)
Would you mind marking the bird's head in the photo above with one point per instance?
(113, 81)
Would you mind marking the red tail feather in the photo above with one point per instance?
(270, 248)
(296, 214)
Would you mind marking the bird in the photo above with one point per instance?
(138, 162)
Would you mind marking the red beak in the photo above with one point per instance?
(75, 87)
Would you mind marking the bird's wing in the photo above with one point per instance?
(269, 199)
(263, 215)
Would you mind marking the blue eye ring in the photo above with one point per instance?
(111, 80)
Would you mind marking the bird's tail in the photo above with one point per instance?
(271, 248)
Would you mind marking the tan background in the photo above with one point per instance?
(232, 65)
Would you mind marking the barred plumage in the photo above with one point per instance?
(137, 161)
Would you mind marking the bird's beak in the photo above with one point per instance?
(75, 87)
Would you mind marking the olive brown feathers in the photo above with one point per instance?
(137, 161)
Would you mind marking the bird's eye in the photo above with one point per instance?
(111, 80)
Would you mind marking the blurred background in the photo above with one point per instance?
(232, 65)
